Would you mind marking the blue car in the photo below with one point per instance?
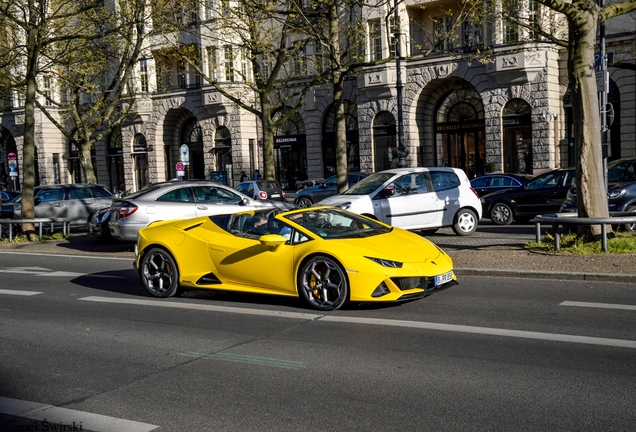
(309, 196)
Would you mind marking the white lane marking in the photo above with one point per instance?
(598, 305)
(22, 293)
(80, 419)
(555, 337)
(40, 271)
(100, 257)
(204, 307)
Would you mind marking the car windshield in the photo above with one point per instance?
(369, 184)
(333, 223)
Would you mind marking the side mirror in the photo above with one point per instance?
(36, 201)
(272, 240)
(244, 202)
(387, 192)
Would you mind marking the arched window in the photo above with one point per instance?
(384, 141)
(329, 139)
(460, 137)
(517, 137)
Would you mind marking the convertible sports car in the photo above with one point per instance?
(324, 255)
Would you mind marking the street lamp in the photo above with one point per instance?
(402, 152)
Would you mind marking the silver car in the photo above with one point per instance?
(77, 202)
(178, 200)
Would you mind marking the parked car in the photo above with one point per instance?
(98, 225)
(543, 194)
(178, 200)
(312, 194)
(7, 196)
(621, 193)
(330, 257)
(76, 202)
(495, 182)
(262, 189)
(415, 199)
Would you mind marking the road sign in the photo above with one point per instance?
(180, 166)
(598, 59)
(185, 154)
(12, 156)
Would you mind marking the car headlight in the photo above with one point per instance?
(616, 193)
(385, 262)
(344, 206)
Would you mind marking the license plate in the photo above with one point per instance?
(443, 278)
(275, 195)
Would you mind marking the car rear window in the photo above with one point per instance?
(444, 180)
(268, 185)
(100, 192)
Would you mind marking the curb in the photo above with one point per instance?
(575, 276)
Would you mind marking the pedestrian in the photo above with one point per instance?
(243, 176)
(257, 175)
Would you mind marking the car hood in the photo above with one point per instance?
(337, 200)
(398, 245)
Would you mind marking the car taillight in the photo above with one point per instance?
(263, 194)
(124, 211)
(283, 193)
(475, 192)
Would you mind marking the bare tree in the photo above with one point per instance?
(56, 39)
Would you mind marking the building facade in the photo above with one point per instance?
(509, 114)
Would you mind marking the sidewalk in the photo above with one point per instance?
(496, 251)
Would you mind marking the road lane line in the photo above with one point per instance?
(239, 358)
(80, 419)
(204, 307)
(22, 293)
(598, 305)
(555, 337)
(101, 257)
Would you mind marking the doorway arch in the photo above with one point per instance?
(517, 137)
(329, 139)
(460, 132)
(192, 136)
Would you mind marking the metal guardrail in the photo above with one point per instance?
(557, 219)
(66, 224)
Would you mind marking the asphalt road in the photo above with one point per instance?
(489, 354)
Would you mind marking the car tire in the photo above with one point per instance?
(323, 283)
(304, 202)
(501, 214)
(465, 222)
(159, 273)
(630, 227)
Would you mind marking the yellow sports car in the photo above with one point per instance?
(325, 255)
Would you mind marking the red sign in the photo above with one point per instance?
(12, 156)
(180, 166)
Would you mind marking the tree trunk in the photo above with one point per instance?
(268, 140)
(592, 194)
(28, 149)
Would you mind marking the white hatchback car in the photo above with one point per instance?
(415, 199)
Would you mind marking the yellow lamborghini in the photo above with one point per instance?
(324, 255)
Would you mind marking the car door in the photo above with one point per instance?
(544, 194)
(245, 261)
(50, 203)
(481, 184)
(79, 205)
(408, 202)
(177, 203)
(212, 200)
